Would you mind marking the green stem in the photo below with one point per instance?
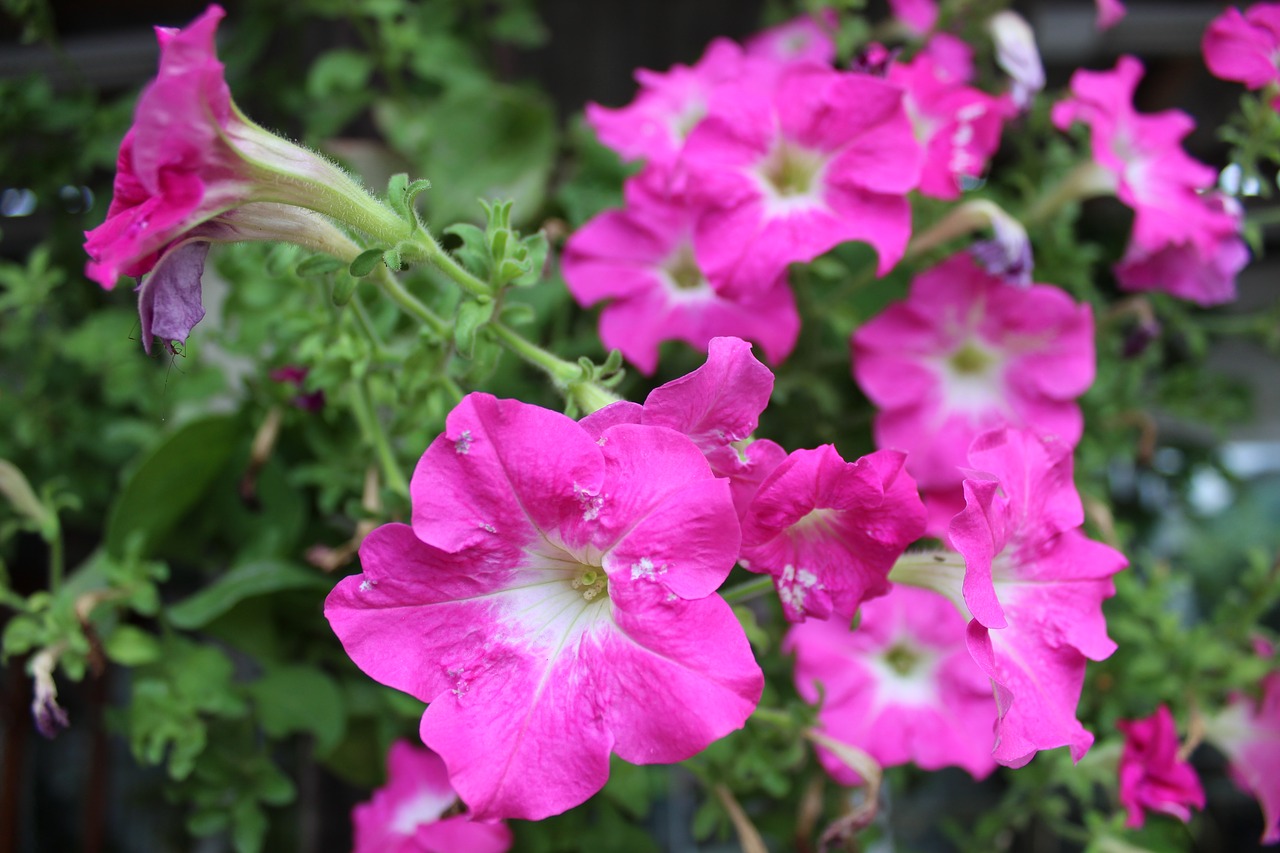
(748, 590)
(773, 716)
(362, 404)
(407, 301)
(56, 558)
(1084, 181)
(561, 372)
(445, 262)
(365, 324)
(1266, 216)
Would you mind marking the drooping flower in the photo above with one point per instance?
(641, 258)
(1248, 731)
(1143, 155)
(803, 39)
(829, 531)
(1034, 585)
(407, 815)
(553, 601)
(1182, 269)
(965, 353)
(1245, 47)
(901, 687)
(717, 406)
(784, 173)
(1152, 776)
(957, 125)
(188, 161)
(1017, 55)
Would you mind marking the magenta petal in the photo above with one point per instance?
(1152, 777)
(503, 468)
(665, 672)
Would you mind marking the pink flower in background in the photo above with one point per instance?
(1245, 47)
(803, 39)
(965, 353)
(553, 602)
(1035, 585)
(1152, 777)
(717, 406)
(952, 57)
(1248, 731)
(641, 259)
(958, 126)
(1182, 270)
(1109, 13)
(407, 814)
(784, 175)
(828, 531)
(918, 16)
(901, 686)
(654, 126)
(1143, 155)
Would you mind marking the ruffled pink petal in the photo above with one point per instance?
(1152, 777)
(1242, 47)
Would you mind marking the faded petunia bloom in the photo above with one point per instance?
(829, 531)
(784, 173)
(193, 170)
(1017, 55)
(717, 406)
(1152, 776)
(553, 602)
(1248, 731)
(1034, 585)
(408, 814)
(966, 353)
(641, 259)
(901, 687)
(1245, 47)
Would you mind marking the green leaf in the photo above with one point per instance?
(536, 261)
(396, 193)
(131, 646)
(366, 261)
(471, 316)
(343, 289)
(170, 481)
(338, 71)
(250, 827)
(300, 699)
(14, 486)
(318, 265)
(247, 581)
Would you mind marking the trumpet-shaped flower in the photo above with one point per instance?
(1245, 47)
(1034, 585)
(407, 814)
(828, 531)
(781, 174)
(966, 353)
(1152, 776)
(901, 687)
(553, 602)
(717, 406)
(641, 258)
(1248, 731)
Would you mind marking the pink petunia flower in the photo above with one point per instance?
(1034, 585)
(900, 687)
(641, 258)
(1143, 156)
(1245, 47)
(407, 814)
(784, 173)
(803, 39)
(1152, 776)
(952, 56)
(1110, 12)
(957, 125)
(193, 170)
(1182, 270)
(553, 602)
(717, 406)
(1249, 733)
(917, 16)
(670, 104)
(965, 353)
(829, 531)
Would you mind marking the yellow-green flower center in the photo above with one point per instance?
(791, 170)
(592, 582)
(902, 659)
(970, 360)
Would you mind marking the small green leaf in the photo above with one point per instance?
(300, 699)
(251, 579)
(318, 265)
(366, 261)
(518, 314)
(536, 260)
(396, 193)
(14, 486)
(343, 289)
(471, 316)
(250, 827)
(131, 646)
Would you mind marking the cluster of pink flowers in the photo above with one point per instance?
(758, 157)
